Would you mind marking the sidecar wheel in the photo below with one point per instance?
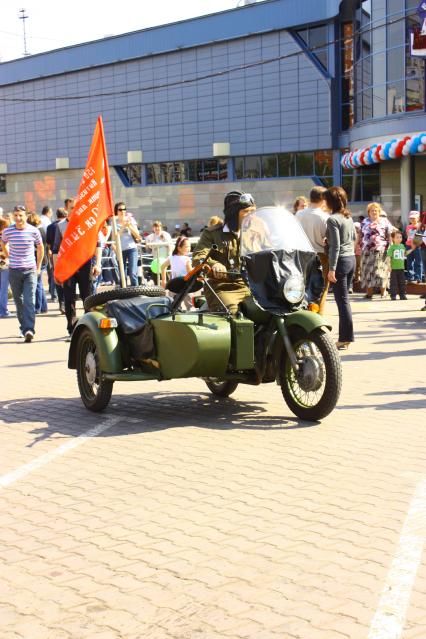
(95, 392)
(312, 394)
(221, 388)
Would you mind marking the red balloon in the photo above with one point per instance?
(400, 145)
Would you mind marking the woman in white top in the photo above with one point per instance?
(129, 237)
(179, 263)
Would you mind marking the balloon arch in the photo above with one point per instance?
(395, 148)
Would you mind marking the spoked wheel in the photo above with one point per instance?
(122, 294)
(95, 392)
(220, 387)
(313, 391)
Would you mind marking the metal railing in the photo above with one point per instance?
(146, 257)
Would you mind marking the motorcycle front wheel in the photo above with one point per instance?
(312, 393)
(220, 387)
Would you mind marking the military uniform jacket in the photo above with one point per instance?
(227, 253)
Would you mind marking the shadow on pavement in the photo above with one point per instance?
(414, 391)
(145, 413)
(28, 364)
(408, 404)
(378, 355)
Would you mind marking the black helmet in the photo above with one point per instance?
(234, 202)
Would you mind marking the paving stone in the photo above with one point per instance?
(196, 518)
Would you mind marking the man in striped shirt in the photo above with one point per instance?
(23, 244)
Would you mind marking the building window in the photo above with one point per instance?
(2, 184)
(362, 184)
(269, 166)
(209, 170)
(253, 167)
(302, 164)
(347, 85)
(286, 164)
(316, 40)
(131, 174)
(388, 80)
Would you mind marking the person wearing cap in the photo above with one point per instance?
(176, 232)
(414, 258)
(231, 290)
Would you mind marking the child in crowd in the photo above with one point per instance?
(396, 252)
(179, 263)
(414, 261)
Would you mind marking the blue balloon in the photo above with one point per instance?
(415, 143)
(386, 149)
(370, 154)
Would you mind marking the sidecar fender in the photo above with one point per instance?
(106, 341)
(307, 320)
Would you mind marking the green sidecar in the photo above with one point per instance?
(139, 333)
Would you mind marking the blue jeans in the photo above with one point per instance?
(4, 285)
(41, 300)
(414, 265)
(51, 280)
(130, 259)
(344, 274)
(23, 284)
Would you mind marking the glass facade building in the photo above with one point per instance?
(286, 87)
(387, 78)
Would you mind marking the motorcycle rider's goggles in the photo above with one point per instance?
(246, 199)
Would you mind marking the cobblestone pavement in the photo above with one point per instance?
(192, 518)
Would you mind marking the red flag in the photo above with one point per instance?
(93, 206)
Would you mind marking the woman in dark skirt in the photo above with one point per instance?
(340, 236)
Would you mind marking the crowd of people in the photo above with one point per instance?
(29, 246)
(370, 252)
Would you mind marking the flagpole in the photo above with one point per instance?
(118, 252)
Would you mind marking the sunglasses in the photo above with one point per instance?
(125, 209)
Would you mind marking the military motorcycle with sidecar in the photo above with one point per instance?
(139, 333)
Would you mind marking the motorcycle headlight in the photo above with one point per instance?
(294, 289)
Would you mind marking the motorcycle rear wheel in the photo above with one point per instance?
(314, 393)
(221, 388)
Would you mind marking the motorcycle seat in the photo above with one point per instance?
(134, 313)
(253, 312)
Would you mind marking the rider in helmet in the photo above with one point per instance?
(231, 289)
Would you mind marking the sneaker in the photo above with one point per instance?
(351, 290)
(402, 297)
(29, 335)
(62, 309)
(68, 338)
(21, 335)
